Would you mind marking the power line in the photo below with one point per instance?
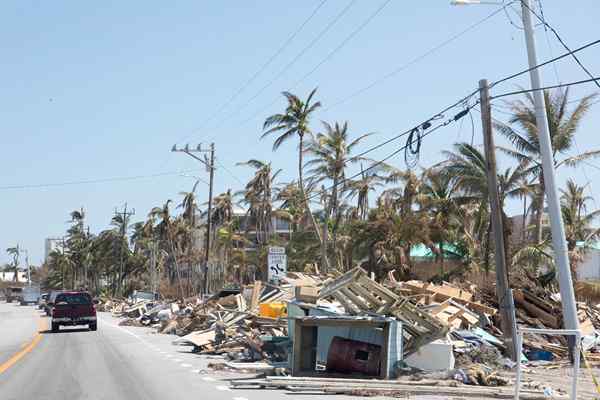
(345, 41)
(323, 61)
(91, 181)
(429, 130)
(543, 21)
(263, 67)
(593, 79)
(548, 39)
(552, 60)
(229, 172)
(395, 71)
(291, 63)
(417, 59)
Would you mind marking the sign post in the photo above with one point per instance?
(277, 262)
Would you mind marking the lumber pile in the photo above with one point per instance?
(375, 387)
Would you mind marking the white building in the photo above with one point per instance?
(589, 268)
(9, 276)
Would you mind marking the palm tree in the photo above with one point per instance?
(294, 122)
(578, 222)
(331, 153)
(440, 190)
(369, 181)
(467, 164)
(258, 196)
(15, 253)
(522, 132)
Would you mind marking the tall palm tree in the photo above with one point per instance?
(440, 190)
(579, 230)
(331, 152)
(563, 124)
(467, 164)
(294, 122)
(14, 252)
(258, 196)
(360, 188)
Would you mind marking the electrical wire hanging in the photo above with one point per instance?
(575, 83)
(562, 42)
(425, 129)
(552, 60)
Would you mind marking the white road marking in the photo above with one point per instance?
(195, 371)
(208, 378)
(177, 360)
(184, 365)
(240, 398)
(169, 356)
(223, 388)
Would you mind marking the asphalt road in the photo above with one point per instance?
(112, 363)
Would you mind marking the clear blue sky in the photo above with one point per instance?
(101, 90)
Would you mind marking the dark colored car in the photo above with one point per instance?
(73, 308)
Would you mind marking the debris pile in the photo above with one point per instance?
(415, 334)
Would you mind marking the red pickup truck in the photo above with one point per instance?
(74, 308)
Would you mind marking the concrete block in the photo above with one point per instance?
(434, 356)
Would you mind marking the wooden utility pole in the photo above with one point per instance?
(209, 163)
(502, 286)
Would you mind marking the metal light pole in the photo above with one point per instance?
(559, 242)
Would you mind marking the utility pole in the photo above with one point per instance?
(125, 221)
(502, 285)
(559, 243)
(209, 163)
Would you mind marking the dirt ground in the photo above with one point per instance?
(560, 378)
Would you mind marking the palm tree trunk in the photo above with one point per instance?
(524, 222)
(313, 221)
(334, 214)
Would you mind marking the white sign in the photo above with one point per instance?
(277, 261)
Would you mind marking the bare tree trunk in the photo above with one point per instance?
(325, 261)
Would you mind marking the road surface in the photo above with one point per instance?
(113, 363)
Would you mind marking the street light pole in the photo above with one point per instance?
(558, 231)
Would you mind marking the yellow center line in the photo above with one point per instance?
(26, 349)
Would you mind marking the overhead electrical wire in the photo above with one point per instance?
(395, 71)
(289, 64)
(552, 60)
(410, 146)
(320, 63)
(92, 181)
(415, 60)
(261, 69)
(581, 82)
(562, 42)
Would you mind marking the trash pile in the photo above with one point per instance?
(407, 331)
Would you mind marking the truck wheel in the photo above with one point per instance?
(93, 327)
(55, 327)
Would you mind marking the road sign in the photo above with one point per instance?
(277, 261)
